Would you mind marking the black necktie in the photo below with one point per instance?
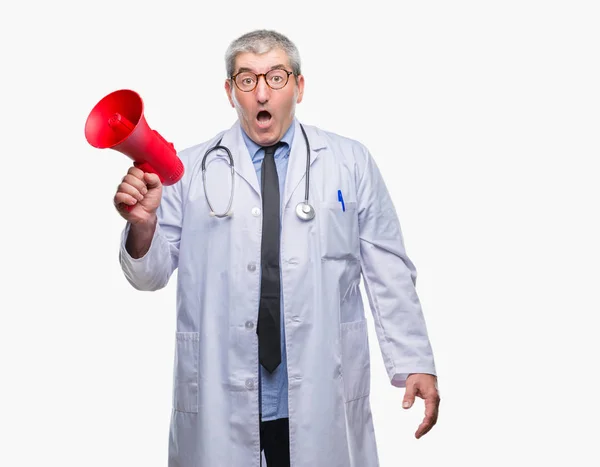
(268, 328)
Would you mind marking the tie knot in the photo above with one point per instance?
(270, 150)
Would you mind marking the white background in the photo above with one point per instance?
(484, 118)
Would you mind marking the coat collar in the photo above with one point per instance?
(296, 171)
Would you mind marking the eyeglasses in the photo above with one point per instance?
(247, 81)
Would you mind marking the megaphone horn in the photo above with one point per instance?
(117, 122)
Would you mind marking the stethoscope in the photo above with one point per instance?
(304, 210)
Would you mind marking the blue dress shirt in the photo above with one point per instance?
(273, 387)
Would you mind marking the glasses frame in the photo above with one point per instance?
(264, 75)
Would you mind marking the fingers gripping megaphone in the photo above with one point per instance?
(117, 122)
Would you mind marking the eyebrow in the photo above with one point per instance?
(274, 67)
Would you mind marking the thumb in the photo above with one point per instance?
(409, 396)
(152, 180)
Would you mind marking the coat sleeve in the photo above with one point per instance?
(390, 279)
(153, 270)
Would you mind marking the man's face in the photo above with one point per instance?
(265, 114)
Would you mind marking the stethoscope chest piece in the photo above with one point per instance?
(305, 211)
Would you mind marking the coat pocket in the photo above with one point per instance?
(339, 231)
(356, 368)
(185, 387)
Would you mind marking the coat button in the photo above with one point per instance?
(256, 212)
(249, 324)
(249, 384)
(251, 267)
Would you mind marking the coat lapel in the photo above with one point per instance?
(242, 162)
(297, 164)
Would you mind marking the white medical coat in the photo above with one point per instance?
(215, 418)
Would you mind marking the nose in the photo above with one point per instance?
(262, 90)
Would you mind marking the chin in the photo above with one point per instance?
(267, 137)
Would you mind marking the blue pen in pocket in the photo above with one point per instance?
(341, 200)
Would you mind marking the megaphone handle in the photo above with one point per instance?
(144, 166)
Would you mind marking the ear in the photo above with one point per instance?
(300, 88)
(228, 90)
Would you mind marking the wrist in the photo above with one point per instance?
(145, 224)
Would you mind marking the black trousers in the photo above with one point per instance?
(275, 441)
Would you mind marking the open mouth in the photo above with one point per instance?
(263, 118)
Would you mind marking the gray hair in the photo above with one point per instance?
(259, 42)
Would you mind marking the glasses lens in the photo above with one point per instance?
(246, 81)
(277, 78)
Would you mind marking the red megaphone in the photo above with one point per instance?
(117, 122)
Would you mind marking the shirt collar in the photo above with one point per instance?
(287, 138)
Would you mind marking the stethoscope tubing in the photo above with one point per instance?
(304, 210)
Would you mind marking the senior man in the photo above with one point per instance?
(271, 228)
